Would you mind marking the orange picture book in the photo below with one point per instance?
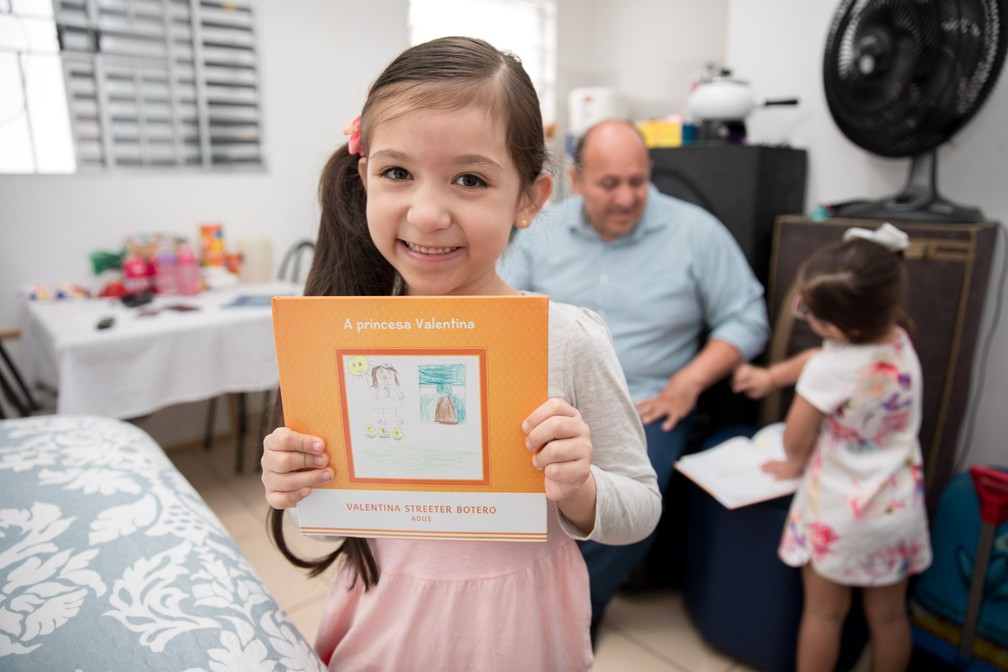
(419, 401)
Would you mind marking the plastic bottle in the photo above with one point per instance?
(135, 278)
(188, 270)
(166, 273)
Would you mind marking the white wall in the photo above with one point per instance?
(647, 50)
(317, 58)
(778, 46)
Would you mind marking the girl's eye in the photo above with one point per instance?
(470, 181)
(395, 173)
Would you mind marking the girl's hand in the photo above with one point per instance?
(753, 381)
(561, 443)
(292, 464)
(782, 469)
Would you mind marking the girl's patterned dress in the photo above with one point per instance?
(859, 515)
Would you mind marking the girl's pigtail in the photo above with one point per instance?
(346, 263)
(358, 553)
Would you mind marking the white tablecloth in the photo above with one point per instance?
(145, 363)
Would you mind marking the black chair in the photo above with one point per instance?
(290, 266)
(12, 385)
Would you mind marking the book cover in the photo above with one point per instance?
(420, 402)
(730, 471)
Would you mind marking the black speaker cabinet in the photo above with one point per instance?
(949, 266)
(745, 186)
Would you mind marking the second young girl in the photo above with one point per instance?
(447, 159)
(858, 518)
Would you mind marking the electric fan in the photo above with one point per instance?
(901, 78)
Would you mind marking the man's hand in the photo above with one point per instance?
(673, 403)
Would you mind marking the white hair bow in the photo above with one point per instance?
(887, 235)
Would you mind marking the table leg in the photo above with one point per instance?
(240, 431)
(210, 418)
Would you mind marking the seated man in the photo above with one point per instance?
(662, 273)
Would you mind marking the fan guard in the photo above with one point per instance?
(901, 77)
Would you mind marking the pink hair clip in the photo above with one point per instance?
(352, 130)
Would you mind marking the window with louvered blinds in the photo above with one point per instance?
(161, 83)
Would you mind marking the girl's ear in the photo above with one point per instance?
(535, 198)
(362, 170)
(836, 333)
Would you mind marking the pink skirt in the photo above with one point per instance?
(463, 605)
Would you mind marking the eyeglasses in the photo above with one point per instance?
(799, 309)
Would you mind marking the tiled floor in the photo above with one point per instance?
(644, 632)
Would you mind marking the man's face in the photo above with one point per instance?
(613, 180)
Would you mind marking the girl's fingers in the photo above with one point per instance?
(552, 407)
(286, 500)
(561, 450)
(292, 464)
(284, 450)
(284, 490)
(285, 440)
(295, 480)
(569, 472)
(556, 427)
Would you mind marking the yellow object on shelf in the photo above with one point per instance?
(661, 133)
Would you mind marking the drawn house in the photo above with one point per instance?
(442, 393)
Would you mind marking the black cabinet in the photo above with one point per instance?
(745, 186)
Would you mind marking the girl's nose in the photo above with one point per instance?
(427, 211)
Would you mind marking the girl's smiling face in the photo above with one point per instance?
(442, 197)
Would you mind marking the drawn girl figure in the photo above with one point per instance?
(385, 381)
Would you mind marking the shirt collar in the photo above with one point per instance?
(649, 222)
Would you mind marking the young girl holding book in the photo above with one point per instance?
(445, 160)
(858, 518)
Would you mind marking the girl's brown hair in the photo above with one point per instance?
(857, 285)
(447, 73)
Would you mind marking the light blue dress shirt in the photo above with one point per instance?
(676, 276)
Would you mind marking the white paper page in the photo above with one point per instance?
(731, 471)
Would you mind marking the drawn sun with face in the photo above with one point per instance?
(357, 365)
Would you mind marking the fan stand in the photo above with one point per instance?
(918, 202)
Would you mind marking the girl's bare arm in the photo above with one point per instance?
(800, 431)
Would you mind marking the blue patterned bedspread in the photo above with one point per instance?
(109, 560)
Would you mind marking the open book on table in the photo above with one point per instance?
(730, 471)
